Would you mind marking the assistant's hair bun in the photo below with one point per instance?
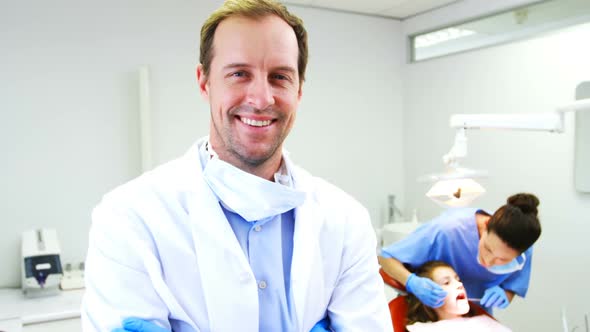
(527, 203)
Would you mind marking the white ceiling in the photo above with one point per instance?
(398, 9)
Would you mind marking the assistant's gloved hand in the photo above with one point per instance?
(139, 325)
(321, 326)
(494, 297)
(426, 290)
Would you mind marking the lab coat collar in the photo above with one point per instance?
(210, 230)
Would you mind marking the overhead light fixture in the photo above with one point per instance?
(456, 192)
(456, 186)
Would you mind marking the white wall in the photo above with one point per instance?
(523, 77)
(68, 107)
(349, 127)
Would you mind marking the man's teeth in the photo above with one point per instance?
(255, 123)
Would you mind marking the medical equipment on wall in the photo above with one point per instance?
(457, 187)
(392, 232)
(41, 264)
(392, 209)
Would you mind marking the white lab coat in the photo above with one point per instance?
(162, 249)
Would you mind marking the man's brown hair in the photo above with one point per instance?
(252, 9)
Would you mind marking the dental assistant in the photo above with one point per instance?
(491, 253)
(234, 236)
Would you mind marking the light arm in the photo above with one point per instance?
(551, 122)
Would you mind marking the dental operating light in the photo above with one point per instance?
(456, 186)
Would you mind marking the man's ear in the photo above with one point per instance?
(300, 92)
(203, 81)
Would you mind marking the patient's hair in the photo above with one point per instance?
(418, 311)
(516, 223)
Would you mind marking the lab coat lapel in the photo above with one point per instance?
(228, 283)
(306, 267)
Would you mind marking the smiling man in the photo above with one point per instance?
(233, 236)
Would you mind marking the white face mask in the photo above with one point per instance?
(248, 195)
(514, 265)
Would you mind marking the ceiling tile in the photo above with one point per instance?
(298, 2)
(391, 8)
(410, 8)
(364, 6)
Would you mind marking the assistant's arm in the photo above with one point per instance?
(412, 249)
(394, 268)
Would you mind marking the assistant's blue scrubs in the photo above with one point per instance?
(453, 238)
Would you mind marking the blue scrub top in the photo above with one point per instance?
(453, 238)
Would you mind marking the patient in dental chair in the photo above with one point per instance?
(455, 314)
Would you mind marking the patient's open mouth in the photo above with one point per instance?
(461, 296)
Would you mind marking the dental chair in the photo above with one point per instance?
(398, 307)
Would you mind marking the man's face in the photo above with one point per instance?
(253, 89)
(456, 303)
(493, 251)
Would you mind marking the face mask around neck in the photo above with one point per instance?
(248, 195)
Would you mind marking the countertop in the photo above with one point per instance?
(65, 305)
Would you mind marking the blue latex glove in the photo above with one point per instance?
(139, 325)
(321, 326)
(494, 297)
(427, 291)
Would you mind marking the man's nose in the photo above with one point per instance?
(260, 94)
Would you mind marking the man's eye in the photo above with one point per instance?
(239, 74)
(279, 77)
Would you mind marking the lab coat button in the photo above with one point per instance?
(262, 284)
(257, 228)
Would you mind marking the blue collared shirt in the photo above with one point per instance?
(268, 246)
